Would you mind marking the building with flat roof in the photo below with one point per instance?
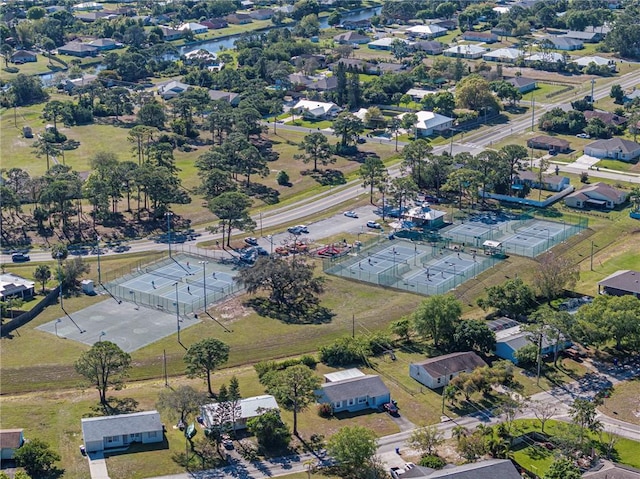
(621, 283)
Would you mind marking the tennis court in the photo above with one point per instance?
(536, 237)
(472, 233)
(189, 281)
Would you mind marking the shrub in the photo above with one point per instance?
(584, 177)
(309, 361)
(325, 410)
(283, 178)
(432, 461)
(345, 351)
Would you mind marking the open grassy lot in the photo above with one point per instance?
(624, 403)
(540, 93)
(617, 165)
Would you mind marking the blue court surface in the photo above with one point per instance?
(539, 235)
(441, 270)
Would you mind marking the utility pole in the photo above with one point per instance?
(98, 249)
(353, 325)
(593, 82)
(591, 266)
(164, 362)
(533, 113)
(539, 358)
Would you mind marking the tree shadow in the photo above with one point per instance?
(294, 314)
(262, 192)
(329, 177)
(116, 406)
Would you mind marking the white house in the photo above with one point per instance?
(504, 55)
(465, 51)
(172, 89)
(247, 409)
(599, 61)
(110, 432)
(426, 31)
(386, 43)
(430, 122)
(549, 57)
(12, 285)
(316, 109)
(196, 28)
(616, 148)
(598, 195)
(418, 93)
(437, 372)
(351, 390)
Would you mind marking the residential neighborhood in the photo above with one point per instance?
(313, 238)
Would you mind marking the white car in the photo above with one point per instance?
(351, 214)
(374, 225)
(583, 135)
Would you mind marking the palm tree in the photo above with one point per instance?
(458, 432)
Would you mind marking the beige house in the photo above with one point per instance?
(598, 195)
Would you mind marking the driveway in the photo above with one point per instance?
(98, 466)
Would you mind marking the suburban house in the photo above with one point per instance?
(232, 98)
(10, 440)
(549, 57)
(77, 49)
(169, 33)
(86, 79)
(632, 95)
(262, 14)
(324, 84)
(204, 57)
(113, 432)
(430, 123)
(566, 44)
(607, 118)
(465, 51)
(598, 195)
(357, 65)
(599, 61)
(621, 283)
(490, 469)
(550, 143)
(430, 47)
(23, 56)
(172, 89)
(247, 409)
(418, 94)
(510, 339)
(316, 110)
(613, 470)
(356, 24)
(437, 372)
(448, 24)
(87, 6)
(426, 31)
(351, 390)
(486, 37)
(103, 44)
(425, 216)
(352, 38)
(90, 17)
(215, 23)
(14, 286)
(386, 43)
(523, 84)
(549, 182)
(196, 28)
(503, 55)
(586, 37)
(238, 18)
(616, 148)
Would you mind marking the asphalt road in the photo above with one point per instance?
(296, 212)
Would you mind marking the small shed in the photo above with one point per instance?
(88, 287)
(492, 247)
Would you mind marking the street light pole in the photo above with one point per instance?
(204, 281)
(98, 249)
(177, 312)
(59, 256)
(169, 214)
(102, 333)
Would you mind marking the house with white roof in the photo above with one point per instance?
(386, 43)
(115, 432)
(430, 123)
(465, 51)
(510, 339)
(172, 89)
(87, 6)
(246, 409)
(418, 93)
(599, 61)
(196, 28)
(426, 31)
(316, 110)
(503, 55)
(351, 390)
(549, 57)
(14, 286)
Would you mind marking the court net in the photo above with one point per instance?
(201, 284)
(163, 275)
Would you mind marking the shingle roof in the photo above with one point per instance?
(625, 280)
(491, 469)
(520, 81)
(626, 146)
(601, 188)
(10, 438)
(97, 428)
(370, 385)
(606, 117)
(451, 363)
(550, 140)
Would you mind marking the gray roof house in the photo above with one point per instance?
(587, 37)
(616, 148)
(565, 43)
(491, 469)
(437, 372)
(105, 44)
(172, 89)
(621, 283)
(10, 440)
(510, 339)
(352, 38)
(356, 392)
(598, 195)
(232, 98)
(77, 49)
(23, 56)
(523, 84)
(247, 408)
(110, 432)
(431, 47)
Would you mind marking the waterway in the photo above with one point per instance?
(228, 42)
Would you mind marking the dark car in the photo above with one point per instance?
(251, 240)
(391, 408)
(20, 258)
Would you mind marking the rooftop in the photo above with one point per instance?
(97, 428)
(369, 385)
(451, 363)
(625, 280)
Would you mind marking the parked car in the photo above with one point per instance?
(251, 241)
(374, 225)
(391, 408)
(583, 135)
(351, 214)
(302, 228)
(20, 258)
(294, 230)
(432, 199)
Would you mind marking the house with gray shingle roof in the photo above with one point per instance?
(116, 432)
(621, 283)
(437, 372)
(357, 392)
(491, 469)
(598, 195)
(616, 148)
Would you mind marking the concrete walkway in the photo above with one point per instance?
(97, 466)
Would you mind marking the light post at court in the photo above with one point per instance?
(55, 325)
(204, 281)
(59, 257)
(169, 214)
(102, 333)
(98, 238)
(177, 312)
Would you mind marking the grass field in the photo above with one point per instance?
(624, 403)
(540, 93)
